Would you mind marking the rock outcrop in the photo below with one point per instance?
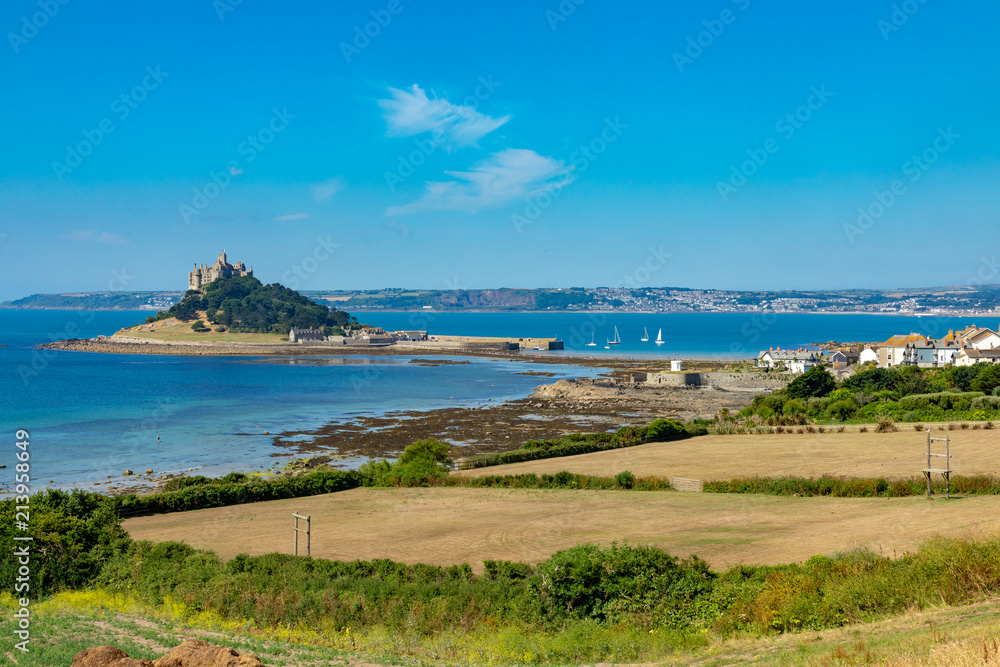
(107, 656)
(192, 653)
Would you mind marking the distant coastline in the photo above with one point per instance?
(955, 301)
(498, 311)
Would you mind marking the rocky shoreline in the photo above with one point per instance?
(579, 405)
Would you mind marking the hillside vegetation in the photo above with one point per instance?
(246, 305)
(874, 395)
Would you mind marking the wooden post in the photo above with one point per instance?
(944, 470)
(947, 466)
(927, 473)
(307, 530)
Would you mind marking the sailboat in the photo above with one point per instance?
(617, 340)
(591, 343)
(645, 335)
(659, 337)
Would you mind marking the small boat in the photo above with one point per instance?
(659, 337)
(608, 346)
(645, 335)
(617, 340)
(591, 343)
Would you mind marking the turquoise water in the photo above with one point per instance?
(92, 415)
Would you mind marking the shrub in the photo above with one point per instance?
(842, 410)
(918, 427)
(987, 380)
(986, 403)
(75, 535)
(946, 400)
(841, 394)
(628, 436)
(863, 429)
(587, 582)
(199, 326)
(816, 381)
(794, 407)
(664, 430)
(885, 424)
(625, 479)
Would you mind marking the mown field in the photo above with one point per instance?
(448, 526)
(722, 457)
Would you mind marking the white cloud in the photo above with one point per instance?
(513, 173)
(292, 216)
(87, 235)
(411, 112)
(322, 192)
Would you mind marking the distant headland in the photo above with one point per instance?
(959, 300)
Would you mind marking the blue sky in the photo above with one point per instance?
(495, 144)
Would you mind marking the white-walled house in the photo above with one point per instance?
(797, 361)
(983, 339)
(968, 357)
(868, 354)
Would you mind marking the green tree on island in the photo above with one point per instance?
(245, 305)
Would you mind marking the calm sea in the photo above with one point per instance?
(92, 415)
(703, 335)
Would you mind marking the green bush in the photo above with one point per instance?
(618, 583)
(74, 535)
(625, 479)
(665, 430)
(199, 494)
(794, 407)
(987, 380)
(986, 403)
(816, 381)
(945, 400)
(842, 410)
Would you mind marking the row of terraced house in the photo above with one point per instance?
(972, 345)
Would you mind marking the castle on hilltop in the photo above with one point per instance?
(221, 269)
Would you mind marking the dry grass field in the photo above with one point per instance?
(446, 526)
(901, 454)
(173, 330)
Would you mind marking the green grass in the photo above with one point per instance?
(183, 332)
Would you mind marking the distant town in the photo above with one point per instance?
(957, 300)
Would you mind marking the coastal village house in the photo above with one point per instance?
(967, 357)
(841, 359)
(869, 354)
(917, 350)
(979, 338)
(797, 361)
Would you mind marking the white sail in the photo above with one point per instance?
(659, 337)
(645, 335)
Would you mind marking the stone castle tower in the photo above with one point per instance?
(221, 269)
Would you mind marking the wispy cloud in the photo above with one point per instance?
(514, 173)
(411, 112)
(322, 192)
(89, 235)
(292, 216)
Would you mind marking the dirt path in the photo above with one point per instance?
(450, 526)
